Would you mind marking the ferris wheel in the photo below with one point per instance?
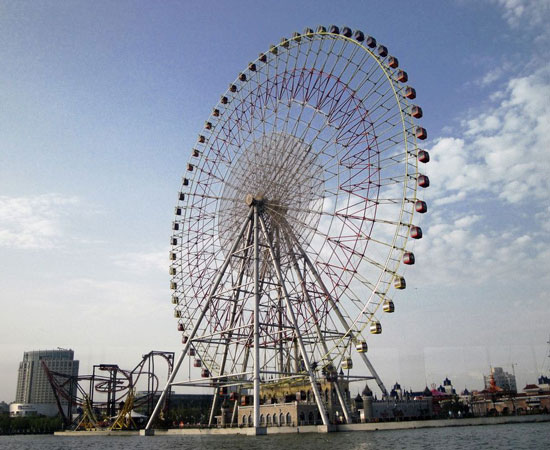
(296, 212)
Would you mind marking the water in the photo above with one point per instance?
(510, 436)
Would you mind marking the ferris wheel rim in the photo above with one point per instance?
(406, 197)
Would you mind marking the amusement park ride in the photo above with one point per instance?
(293, 224)
(107, 398)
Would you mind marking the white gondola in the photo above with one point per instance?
(347, 364)
(399, 282)
(388, 306)
(376, 328)
(362, 347)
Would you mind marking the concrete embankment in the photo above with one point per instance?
(375, 426)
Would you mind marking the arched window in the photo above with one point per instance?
(274, 419)
(311, 418)
(245, 420)
(288, 419)
(281, 419)
(302, 418)
(269, 419)
(250, 420)
(262, 419)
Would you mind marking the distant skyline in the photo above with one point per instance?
(102, 102)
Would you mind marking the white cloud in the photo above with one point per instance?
(459, 249)
(531, 12)
(504, 150)
(34, 222)
(143, 262)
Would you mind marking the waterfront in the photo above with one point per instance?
(513, 436)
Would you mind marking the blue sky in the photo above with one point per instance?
(101, 102)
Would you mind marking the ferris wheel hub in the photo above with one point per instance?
(257, 199)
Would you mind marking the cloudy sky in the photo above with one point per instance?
(101, 102)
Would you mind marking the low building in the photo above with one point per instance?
(293, 404)
(497, 402)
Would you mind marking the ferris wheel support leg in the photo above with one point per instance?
(256, 257)
(197, 324)
(339, 314)
(307, 298)
(236, 296)
(312, 379)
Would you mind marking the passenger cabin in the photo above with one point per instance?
(421, 206)
(410, 93)
(423, 181)
(421, 133)
(362, 347)
(388, 306)
(399, 282)
(416, 232)
(376, 328)
(347, 364)
(408, 258)
(423, 156)
(416, 111)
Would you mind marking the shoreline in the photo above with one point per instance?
(373, 426)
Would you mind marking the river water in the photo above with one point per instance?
(509, 436)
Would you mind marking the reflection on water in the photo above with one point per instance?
(509, 436)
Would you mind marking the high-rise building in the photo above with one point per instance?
(34, 393)
(503, 380)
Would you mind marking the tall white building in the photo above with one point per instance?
(34, 393)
